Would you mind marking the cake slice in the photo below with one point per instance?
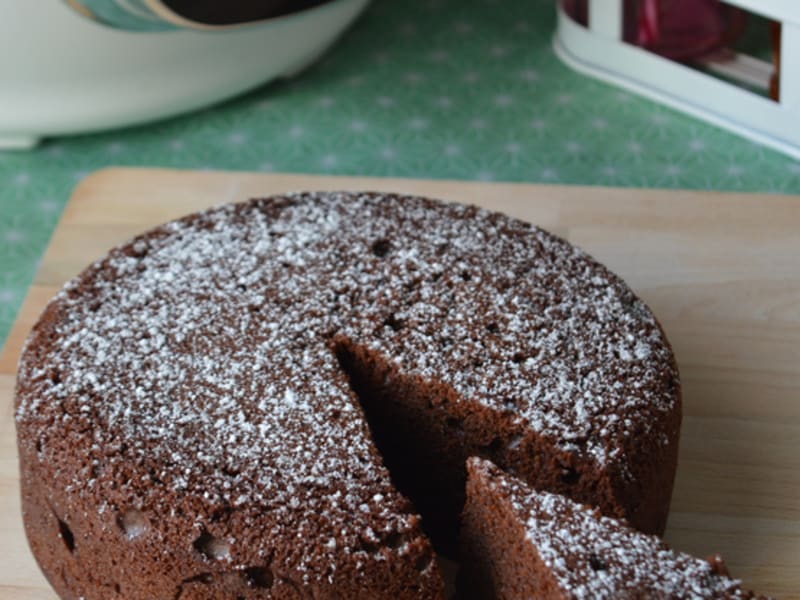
(524, 544)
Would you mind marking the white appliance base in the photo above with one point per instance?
(18, 142)
(68, 74)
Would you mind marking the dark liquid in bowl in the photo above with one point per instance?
(231, 12)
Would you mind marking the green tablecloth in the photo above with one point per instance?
(464, 89)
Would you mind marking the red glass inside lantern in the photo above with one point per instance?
(723, 40)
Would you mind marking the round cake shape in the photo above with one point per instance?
(192, 410)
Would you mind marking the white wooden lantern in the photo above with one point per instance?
(599, 50)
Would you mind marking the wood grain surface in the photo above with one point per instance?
(721, 272)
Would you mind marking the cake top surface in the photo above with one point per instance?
(200, 354)
(593, 556)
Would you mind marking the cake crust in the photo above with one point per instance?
(186, 427)
(521, 544)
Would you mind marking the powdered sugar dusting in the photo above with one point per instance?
(199, 356)
(595, 557)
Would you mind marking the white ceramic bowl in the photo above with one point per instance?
(62, 73)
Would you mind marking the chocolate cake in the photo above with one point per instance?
(260, 400)
(524, 544)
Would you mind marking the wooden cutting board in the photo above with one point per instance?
(721, 271)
